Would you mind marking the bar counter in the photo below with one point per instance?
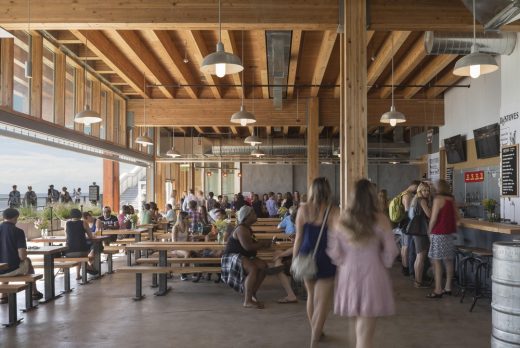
(490, 226)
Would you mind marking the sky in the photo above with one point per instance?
(25, 163)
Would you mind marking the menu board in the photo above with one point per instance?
(93, 193)
(449, 177)
(510, 171)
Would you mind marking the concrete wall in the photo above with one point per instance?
(393, 178)
(419, 147)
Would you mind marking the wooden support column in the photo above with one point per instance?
(354, 145)
(7, 70)
(111, 184)
(59, 89)
(160, 180)
(37, 76)
(313, 139)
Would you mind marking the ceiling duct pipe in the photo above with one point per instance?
(493, 14)
(495, 43)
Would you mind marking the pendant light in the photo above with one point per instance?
(87, 116)
(393, 116)
(172, 152)
(221, 62)
(144, 139)
(253, 140)
(243, 116)
(28, 63)
(476, 63)
(257, 153)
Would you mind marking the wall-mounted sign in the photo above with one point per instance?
(434, 166)
(510, 171)
(449, 177)
(477, 176)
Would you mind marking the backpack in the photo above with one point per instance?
(396, 208)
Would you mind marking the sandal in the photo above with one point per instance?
(285, 300)
(446, 292)
(434, 295)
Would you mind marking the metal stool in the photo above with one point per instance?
(482, 289)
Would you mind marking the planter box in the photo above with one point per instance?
(32, 232)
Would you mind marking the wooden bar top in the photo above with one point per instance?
(495, 227)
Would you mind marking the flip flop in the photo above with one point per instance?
(285, 301)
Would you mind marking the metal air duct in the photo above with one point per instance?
(460, 43)
(493, 14)
(278, 45)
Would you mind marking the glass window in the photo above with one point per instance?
(103, 114)
(21, 84)
(70, 95)
(88, 94)
(116, 115)
(48, 85)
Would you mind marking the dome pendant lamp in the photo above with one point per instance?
(144, 139)
(172, 152)
(476, 63)
(393, 116)
(221, 63)
(243, 116)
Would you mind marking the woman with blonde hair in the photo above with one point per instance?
(419, 209)
(362, 246)
(309, 220)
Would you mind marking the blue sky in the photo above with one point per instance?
(25, 163)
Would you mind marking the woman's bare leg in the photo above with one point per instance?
(249, 283)
(309, 285)
(323, 292)
(261, 266)
(365, 328)
(448, 263)
(437, 267)
(419, 266)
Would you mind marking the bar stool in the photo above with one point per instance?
(462, 254)
(482, 287)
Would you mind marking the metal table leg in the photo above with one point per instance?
(48, 273)
(163, 285)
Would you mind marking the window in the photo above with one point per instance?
(48, 85)
(88, 95)
(103, 114)
(70, 95)
(116, 115)
(21, 84)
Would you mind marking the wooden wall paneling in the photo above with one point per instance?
(296, 41)
(123, 129)
(471, 158)
(313, 137)
(354, 154)
(109, 126)
(7, 66)
(37, 74)
(80, 95)
(59, 89)
(96, 104)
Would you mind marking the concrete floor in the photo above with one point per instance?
(102, 314)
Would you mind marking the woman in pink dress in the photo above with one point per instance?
(362, 247)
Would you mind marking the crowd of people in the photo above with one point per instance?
(30, 198)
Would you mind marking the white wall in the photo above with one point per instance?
(466, 109)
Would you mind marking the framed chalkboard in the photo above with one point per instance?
(93, 193)
(510, 171)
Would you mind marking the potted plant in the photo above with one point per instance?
(489, 205)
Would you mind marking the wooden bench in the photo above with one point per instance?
(83, 261)
(29, 280)
(11, 290)
(109, 251)
(155, 260)
(140, 270)
(65, 266)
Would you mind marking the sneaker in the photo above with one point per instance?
(92, 272)
(184, 277)
(37, 296)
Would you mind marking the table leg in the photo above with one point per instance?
(128, 257)
(48, 274)
(97, 259)
(163, 285)
(138, 252)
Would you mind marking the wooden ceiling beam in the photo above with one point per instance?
(66, 37)
(228, 39)
(262, 56)
(370, 35)
(201, 51)
(303, 131)
(215, 112)
(285, 130)
(268, 131)
(216, 130)
(180, 69)
(251, 130)
(434, 67)
(414, 56)
(327, 44)
(199, 129)
(114, 58)
(149, 61)
(385, 54)
(296, 41)
(165, 14)
(234, 130)
(446, 80)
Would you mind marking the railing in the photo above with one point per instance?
(131, 179)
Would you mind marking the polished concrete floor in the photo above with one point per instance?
(102, 314)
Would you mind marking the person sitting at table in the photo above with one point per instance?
(91, 221)
(125, 210)
(13, 251)
(282, 268)
(146, 215)
(225, 203)
(180, 234)
(241, 269)
(194, 215)
(154, 212)
(77, 231)
(107, 221)
(288, 222)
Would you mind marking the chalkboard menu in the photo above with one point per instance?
(93, 193)
(510, 170)
(449, 177)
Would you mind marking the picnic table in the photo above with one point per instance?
(265, 228)
(135, 232)
(269, 235)
(49, 253)
(96, 243)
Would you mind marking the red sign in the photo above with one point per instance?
(474, 176)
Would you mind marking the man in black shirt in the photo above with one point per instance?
(107, 221)
(13, 250)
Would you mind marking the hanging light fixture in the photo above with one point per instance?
(28, 63)
(253, 140)
(87, 116)
(476, 63)
(172, 152)
(393, 116)
(221, 62)
(243, 116)
(257, 153)
(144, 139)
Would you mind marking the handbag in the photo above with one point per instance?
(418, 225)
(304, 265)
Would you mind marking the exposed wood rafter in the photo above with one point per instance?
(201, 50)
(327, 44)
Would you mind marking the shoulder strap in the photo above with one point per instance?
(321, 231)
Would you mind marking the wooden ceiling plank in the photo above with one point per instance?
(228, 39)
(434, 67)
(262, 56)
(327, 44)
(114, 58)
(296, 41)
(136, 44)
(181, 70)
(385, 54)
(448, 79)
(414, 56)
(201, 51)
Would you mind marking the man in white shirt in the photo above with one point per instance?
(190, 197)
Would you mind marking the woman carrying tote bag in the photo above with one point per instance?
(309, 222)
